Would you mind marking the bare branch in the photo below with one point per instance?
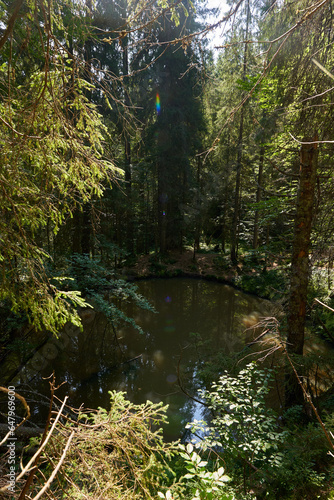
(11, 23)
(325, 305)
(26, 406)
(310, 142)
(56, 469)
(31, 461)
(317, 63)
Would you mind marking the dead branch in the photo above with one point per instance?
(310, 142)
(11, 23)
(325, 305)
(26, 406)
(39, 451)
(306, 395)
(32, 460)
(56, 469)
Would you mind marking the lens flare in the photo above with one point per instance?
(157, 104)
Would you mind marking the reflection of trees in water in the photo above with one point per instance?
(195, 319)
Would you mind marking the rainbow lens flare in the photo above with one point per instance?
(157, 104)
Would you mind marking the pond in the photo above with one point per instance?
(193, 317)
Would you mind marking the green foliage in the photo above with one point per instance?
(174, 13)
(52, 161)
(205, 484)
(241, 423)
(199, 483)
(157, 265)
(264, 93)
(119, 453)
(304, 469)
(270, 209)
(285, 462)
(103, 290)
(271, 284)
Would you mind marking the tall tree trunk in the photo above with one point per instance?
(127, 145)
(236, 213)
(86, 230)
(226, 195)
(258, 199)
(198, 219)
(300, 267)
(237, 198)
(82, 242)
(162, 208)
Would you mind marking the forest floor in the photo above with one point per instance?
(259, 276)
(205, 265)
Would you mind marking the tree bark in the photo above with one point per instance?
(127, 144)
(236, 214)
(8, 31)
(198, 220)
(300, 268)
(258, 199)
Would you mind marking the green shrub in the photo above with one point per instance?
(120, 454)
(242, 425)
(264, 458)
(102, 290)
(271, 284)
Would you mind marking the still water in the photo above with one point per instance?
(193, 317)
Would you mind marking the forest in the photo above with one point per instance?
(158, 139)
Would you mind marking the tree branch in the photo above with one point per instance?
(11, 23)
(56, 469)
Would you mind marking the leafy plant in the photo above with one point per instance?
(242, 427)
(55, 163)
(246, 428)
(102, 289)
(271, 284)
(207, 484)
(116, 453)
(200, 482)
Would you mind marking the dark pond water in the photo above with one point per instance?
(191, 314)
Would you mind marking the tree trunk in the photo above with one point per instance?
(198, 220)
(258, 199)
(127, 147)
(300, 266)
(235, 223)
(226, 194)
(236, 214)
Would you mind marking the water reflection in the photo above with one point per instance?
(147, 366)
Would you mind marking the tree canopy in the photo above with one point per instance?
(123, 135)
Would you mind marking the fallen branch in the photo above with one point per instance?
(308, 397)
(325, 305)
(31, 461)
(56, 469)
(26, 406)
(23, 431)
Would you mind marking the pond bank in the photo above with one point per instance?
(205, 265)
(197, 319)
(250, 277)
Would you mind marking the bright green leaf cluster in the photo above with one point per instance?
(247, 429)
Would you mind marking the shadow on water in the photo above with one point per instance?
(147, 366)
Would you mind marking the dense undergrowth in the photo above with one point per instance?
(245, 452)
